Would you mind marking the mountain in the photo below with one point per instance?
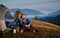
(27, 11)
(53, 14)
(12, 10)
(30, 12)
(52, 18)
(55, 19)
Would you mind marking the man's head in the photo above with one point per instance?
(19, 15)
(23, 16)
(18, 12)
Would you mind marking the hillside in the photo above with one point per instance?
(46, 30)
(53, 17)
(39, 24)
(54, 20)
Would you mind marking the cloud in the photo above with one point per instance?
(45, 6)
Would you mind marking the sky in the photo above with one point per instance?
(44, 6)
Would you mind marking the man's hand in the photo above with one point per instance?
(27, 26)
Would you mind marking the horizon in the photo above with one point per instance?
(44, 6)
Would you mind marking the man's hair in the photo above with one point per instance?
(18, 12)
(23, 14)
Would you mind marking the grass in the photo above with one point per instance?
(43, 33)
(46, 30)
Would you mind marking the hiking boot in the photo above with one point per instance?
(22, 31)
(33, 31)
(14, 31)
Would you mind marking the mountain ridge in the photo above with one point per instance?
(26, 11)
(54, 13)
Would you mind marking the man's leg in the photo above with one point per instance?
(32, 28)
(29, 27)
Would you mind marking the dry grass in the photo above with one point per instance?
(46, 30)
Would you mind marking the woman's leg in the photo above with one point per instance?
(21, 29)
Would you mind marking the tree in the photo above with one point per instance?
(36, 18)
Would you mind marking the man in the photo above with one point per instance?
(15, 26)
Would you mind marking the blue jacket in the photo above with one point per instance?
(22, 23)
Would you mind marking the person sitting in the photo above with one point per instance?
(15, 26)
(25, 23)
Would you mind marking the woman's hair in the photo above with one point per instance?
(22, 15)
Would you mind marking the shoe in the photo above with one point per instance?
(14, 31)
(33, 31)
(22, 30)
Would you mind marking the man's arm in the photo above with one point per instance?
(29, 23)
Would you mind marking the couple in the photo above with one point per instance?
(23, 23)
